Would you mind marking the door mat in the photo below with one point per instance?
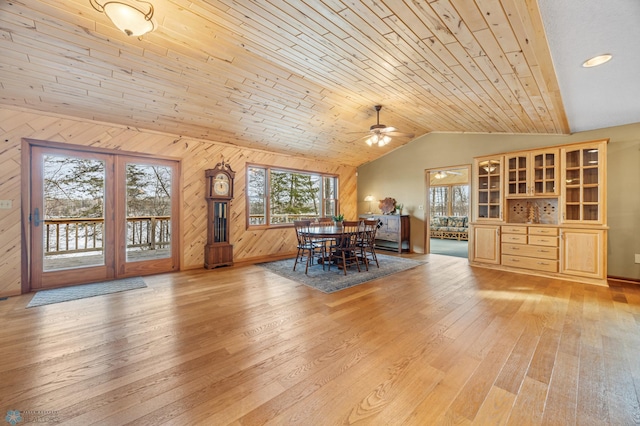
(65, 294)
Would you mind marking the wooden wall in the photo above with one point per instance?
(196, 156)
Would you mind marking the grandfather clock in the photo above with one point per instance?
(219, 180)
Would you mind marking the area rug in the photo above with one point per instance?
(57, 295)
(335, 280)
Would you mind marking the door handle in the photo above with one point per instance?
(36, 217)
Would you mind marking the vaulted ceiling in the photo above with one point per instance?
(290, 76)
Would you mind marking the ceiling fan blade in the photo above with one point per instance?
(361, 138)
(399, 134)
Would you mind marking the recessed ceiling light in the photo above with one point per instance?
(597, 60)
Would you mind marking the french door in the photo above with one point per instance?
(98, 215)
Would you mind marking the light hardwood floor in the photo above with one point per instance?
(443, 343)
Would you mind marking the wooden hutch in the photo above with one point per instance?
(542, 212)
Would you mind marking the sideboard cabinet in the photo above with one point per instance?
(549, 215)
(393, 233)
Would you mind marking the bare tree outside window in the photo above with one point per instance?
(449, 200)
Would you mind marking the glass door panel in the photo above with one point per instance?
(582, 184)
(489, 188)
(545, 173)
(70, 230)
(517, 175)
(147, 205)
(73, 212)
(148, 212)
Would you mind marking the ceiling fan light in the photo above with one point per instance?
(440, 175)
(386, 139)
(488, 166)
(128, 18)
(369, 141)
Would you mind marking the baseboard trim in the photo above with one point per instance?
(624, 280)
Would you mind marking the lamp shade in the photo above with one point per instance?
(128, 18)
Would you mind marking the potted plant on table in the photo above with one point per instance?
(338, 219)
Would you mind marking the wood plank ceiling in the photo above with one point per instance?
(288, 76)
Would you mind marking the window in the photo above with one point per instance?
(449, 200)
(280, 196)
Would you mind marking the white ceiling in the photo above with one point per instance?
(302, 76)
(604, 96)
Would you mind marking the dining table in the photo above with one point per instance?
(330, 234)
(326, 231)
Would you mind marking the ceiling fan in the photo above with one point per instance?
(380, 134)
(441, 174)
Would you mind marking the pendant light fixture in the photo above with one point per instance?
(132, 17)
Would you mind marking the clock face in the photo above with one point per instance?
(221, 185)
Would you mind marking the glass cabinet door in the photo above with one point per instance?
(533, 173)
(489, 188)
(545, 172)
(583, 183)
(517, 174)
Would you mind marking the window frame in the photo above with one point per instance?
(449, 197)
(267, 193)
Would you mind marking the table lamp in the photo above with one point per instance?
(369, 198)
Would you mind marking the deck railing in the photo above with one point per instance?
(281, 218)
(78, 235)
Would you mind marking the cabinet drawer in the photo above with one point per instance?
(530, 263)
(530, 251)
(543, 231)
(388, 236)
(539, 240)
(514, 229)
(514, 238)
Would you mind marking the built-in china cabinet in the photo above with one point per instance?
(542, 212)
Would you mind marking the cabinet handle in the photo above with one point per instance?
(545, 241)
(515, 260)
(542, 263)
(543, 251)
(515, 248)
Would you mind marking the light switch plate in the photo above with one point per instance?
(637, 257)
(5, 204)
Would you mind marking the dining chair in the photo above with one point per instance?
(307, 247)
(345, 249)
(367, 242)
